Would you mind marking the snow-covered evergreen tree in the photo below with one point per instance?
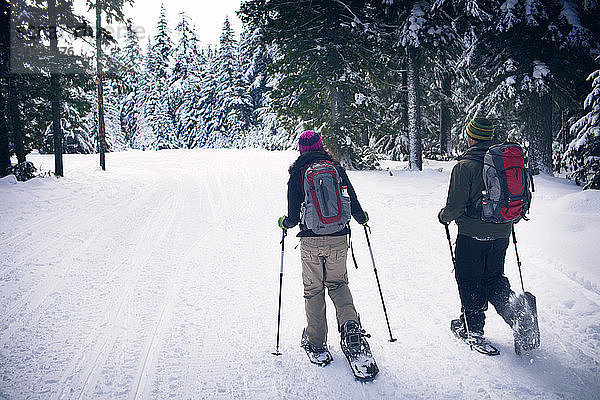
(256, 57)
(115, 137)
(527, 57)
(162, 47)
(413, 24)
(233, 104)
(254, 60)
(584, 150)
(78, 118)
(130, 62)
(321, 57)
(208, 117)
(155, 88)
(184, 91)
(79, 137)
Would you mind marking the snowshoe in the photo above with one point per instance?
(475, 340)
(357, 351)
(317, 355)
(526, 330)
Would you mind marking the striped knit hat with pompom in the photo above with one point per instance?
(310, 141)
(480, 129)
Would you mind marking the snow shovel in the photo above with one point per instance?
(525, 327)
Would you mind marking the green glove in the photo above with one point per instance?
(280, 222)
(366, 218)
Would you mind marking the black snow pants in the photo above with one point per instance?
(480, 277)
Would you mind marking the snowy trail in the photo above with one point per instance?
(159, 279)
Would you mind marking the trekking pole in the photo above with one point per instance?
(350, 245)
(462, 305)
(517, 254)
(283, 235)
(378, 284)
(450, 243)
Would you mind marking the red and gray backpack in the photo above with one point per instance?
(508, 184)
(326, 207)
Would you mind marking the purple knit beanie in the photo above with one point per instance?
(310, 141)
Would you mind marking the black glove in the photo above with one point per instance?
(366, 218)
(440, 218)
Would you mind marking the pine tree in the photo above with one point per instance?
(256, 57)
(146, 138)
(79, 137)
(162, 47)
(321, 56)
(130, 61)
(233, 105)
(185, 85)
(540, 50)
(29, 84)
(115, 137)
(208, 116)
(254, 61)
(78, 120)
(5, 8)
(155, 88)
(584, 150)
(412, 25)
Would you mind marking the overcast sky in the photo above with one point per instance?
(207, 15)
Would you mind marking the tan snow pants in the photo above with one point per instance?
(324, 266)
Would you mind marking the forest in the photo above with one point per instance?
(378, 79)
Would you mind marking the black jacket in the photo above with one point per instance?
(466, 184)
(295, 194)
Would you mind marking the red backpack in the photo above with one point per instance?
(508, 184)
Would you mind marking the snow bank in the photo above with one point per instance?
(8, 180)
(586, 202)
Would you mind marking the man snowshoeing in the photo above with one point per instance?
(480, 246)
(319, 187)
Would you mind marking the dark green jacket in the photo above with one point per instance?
(466, 184)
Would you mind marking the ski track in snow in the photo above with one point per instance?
(152, 281)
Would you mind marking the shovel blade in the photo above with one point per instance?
(526, 328)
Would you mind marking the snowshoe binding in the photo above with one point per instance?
(475, 340)
(317, 355)
(357, 351)
(526, 330)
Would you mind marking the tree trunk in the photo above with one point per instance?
(445, 114)
(540, 133)
(336, 103)
(4, 151)
(399, 147)
(101, 131)
(55, 95)
(4, 66)
(405, 97)
(16, 123)
(415, 160)
(364, 137)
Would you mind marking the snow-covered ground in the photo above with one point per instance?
(159, 279)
